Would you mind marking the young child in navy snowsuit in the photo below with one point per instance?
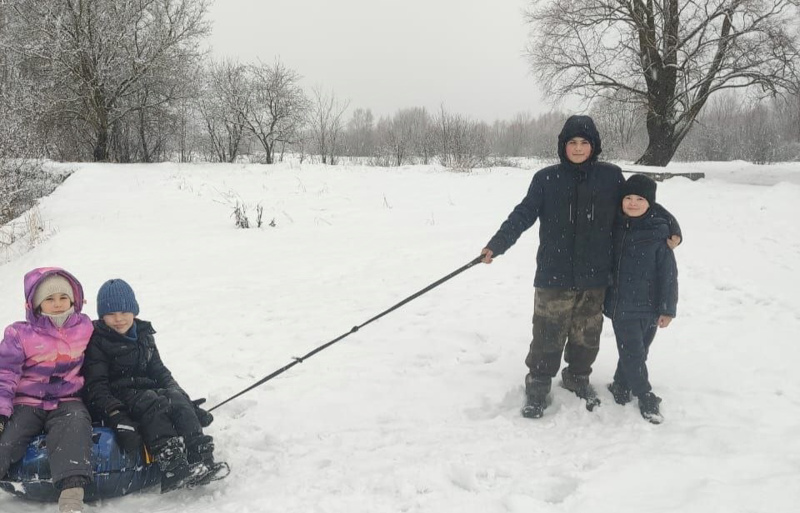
(40, 383)
(644, 294)
(129, 388)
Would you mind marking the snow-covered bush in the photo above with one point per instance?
(22, 183)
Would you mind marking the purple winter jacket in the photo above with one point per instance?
(40, 363)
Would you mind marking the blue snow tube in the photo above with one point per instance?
(116, 472)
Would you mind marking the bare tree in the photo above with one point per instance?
(718, 134)
(360, 134)
(621, 121)
(392, 147)
(19, 111)
(188, 130)
(421, 130)
(414, 126)
(157, 107)
(100, 60)
(325, 120)
(789, 111)
(223, 108)
(513, 138)
(398, 136)
(669, 55)
(463, 143)
(275, 106)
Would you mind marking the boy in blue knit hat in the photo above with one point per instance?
(129, 388)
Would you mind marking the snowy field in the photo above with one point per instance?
(419, 412)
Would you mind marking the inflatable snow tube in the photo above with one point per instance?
(116, 472)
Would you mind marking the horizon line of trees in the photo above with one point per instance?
(141, 90)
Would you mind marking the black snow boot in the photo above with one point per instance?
(170, 454)
(580, 386)
(621, 393)
(534, 408)
(536, 394)
(648, 405)
(171, 458)
(200, 448)
(204, 469)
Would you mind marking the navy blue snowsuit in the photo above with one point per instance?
(645, 287)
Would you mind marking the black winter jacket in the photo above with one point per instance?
(115, 365)
(575, 206)
(645, 272)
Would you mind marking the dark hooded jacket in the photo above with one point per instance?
(118, 368)
(576, 205)
(645, 272)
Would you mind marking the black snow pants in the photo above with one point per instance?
(634, 338)
(68, 431)
(565, 322)
(162, 414)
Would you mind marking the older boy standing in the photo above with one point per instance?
(576, 202)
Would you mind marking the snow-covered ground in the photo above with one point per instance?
(419, 412)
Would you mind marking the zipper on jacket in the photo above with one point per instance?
(619, 263)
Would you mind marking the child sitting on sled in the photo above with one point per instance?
(129, 388)
(40, 383)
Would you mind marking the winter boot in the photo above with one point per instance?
(621, 393)
(200, 448)
(200, 453)
(648, 405)
(71, 500)
(171, 458)
(580, 386)
(171, 454)
(206, 473)
(536, 394)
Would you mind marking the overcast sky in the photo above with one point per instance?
(390, 54)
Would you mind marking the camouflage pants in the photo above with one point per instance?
(565, 322)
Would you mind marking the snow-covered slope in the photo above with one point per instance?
(419, 412)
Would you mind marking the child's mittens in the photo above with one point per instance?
(126, 430)
(203, 416)
(128, 438)
(3, 422)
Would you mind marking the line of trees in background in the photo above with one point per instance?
(126, 81)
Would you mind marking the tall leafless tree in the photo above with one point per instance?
(223, 108)
(512, 138)
(621, 121)
(275, 106)
(359, 134)
(398, 136)
(100, 60)
(326, 123)
(462, 143)
(669, 55)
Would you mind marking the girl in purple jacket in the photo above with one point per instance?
(40, 382)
